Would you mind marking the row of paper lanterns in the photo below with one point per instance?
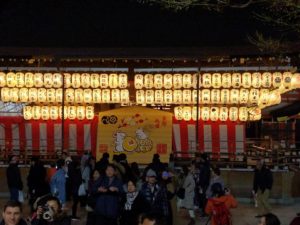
(215, 113)
(253, 96)
(217, 80)
(55, 112)
(55, 80)
(71, 95)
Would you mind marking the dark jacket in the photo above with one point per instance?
(63, 220)
(75, 179)
(263, 179)
(36, 180)
(14, 177)
(22, 222)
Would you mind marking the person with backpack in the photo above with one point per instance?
(218, 207)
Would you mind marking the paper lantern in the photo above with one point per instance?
(124, 96)
(168, 81)
(264, 97)
(243, 114)
(223, 114)
(123, 80)
(57, 80)
(187, 114)
(159, 97)
(42, 94)
(53, 112)
(20, 79)
(206, 80)
(89, 112)
(5, 94)
(177, 97)
(233, 113)
(33, 95)
(246, 80)
(195, 83)
(254, 96)
(215, 96)
(11, 80)
(186, 96)
(140, 97)
(266, 80)
(67, 80)
(149, 96)
(205, 94)
(78, 95)
(27, 112)
(95, 80)
(287, 80)
(236, 80)
(38, 80)
(205, 111)
(178, 112)
(76, 80)
(225, 96)
(103, 80)
(148, 81)
(168, 97)
(244, 96)
(216, 80)
(96, 95)
(138, 81)
(45, 113)
(85, 80)
(36, 112)
(70, 95)
(2, 79)
(194, 113)
(177, 81)
(296, 80)
(234, 96)
(51, 95)
(194, 96)
(274, 97)
(226, 80)
(113, 80)
(28, 80)
(115, 96)
(80, 112)
(256, 80)
(72, 112)
(60, 112)
(254, 113)
(106, 96)
(58, 95)
(23, 95)
(187, 81)
(87, 96)
(214, 113)
(14, 94)
(48, 80)
(277, 80)
(158, 81)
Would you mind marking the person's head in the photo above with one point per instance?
(14, 159)
(260, 164)
(12, 213)
(156, 158)
(131, 186)
(269, 219)
(53, 205)
(123, 157)
(116, 158)
(105, 155)
(95, 175)
(216, 171)
(152, 219)
(217, 190)
(151, 176)
(34, 161)
(165, 175)
(110, 170)
(64, 155)
(60, 163)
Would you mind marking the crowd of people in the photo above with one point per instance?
(119, 193)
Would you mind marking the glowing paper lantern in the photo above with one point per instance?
(194, 113)
(225, 96)
(277, 79)
(23, 95)
(264, 97)
(60, 112)
(186, 97)
(195, 98)
(246, 80)
(51, 95)
(274, 97)
(27, 112)
(5, 95)
(149, 97)
(214, 113)
(113, 80)
(296, 80)
(177, 97)
(42, 94)
(138, 81)
(36, 112)
(287, 80)
(226, 80)
(105, 95)
(216, 80)
(70, 95)
(168, 81)
(205, 94)
(223, 113)
(206, 80)
(14, 94)
(85, 80)
(254, 96)
(115, 96)
(215, 96)
(58, 95)
(95, 80)
(254, 113)
(140, 97)
(148, 81)
(78, 95)
(233, 113)
(168, 97)
(177, 81)
(195, 83)
(67, 80)
(243, 114)
(187, 114)
(158, 81)
(236, 80)
(124, 96)
(234, 96)
(53, 112)
(29, 79)
(103, 80)
(256, 80)
(2, 79)
(187, 80)
(205, 113)
(244, 96)
(178, 112)
(20, 80)
(76, 80)
(45, 113)
(80, 112)
(48, 80)
(38, 80)
(266, 80)
(87, 95)
(96, 95)
(159, 97)
(11, 80)
(57, 80)
(72, 112)
(32, 95)
(89, 112)
(123, 80)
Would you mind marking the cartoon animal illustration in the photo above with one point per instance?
(140, 134)
(119, 138)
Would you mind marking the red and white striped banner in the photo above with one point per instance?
(213, 137)
(42, 137)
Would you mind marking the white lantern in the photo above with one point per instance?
(113, 80)
(256, 80)
(177, 81)
(195, 98)
(246, 80)
(85, 80)
(66, 110)
(186, 96)
(58, 95)
(95, 80)
(11, 80)
(296, 80)
(36, 112)
(214, 113)
(168, 78)
(48, 80)
(72, 112)
(32, 95)
(187, 114)
(274, 97)
(38, 80)
(89, 112)
(80, 112)
(194, 113)
(225, 96)
(29, 79)
(140, 97)
(115, 96)
(226, 80)
(177, 97)
(20, 79)
(216, 80)
(148, 81)
(254, 113)
(158, 81)
(244, 96)
(264, 97)
(70, 95)
(254, 96)
(5, 94)
(106, 96)
(159, 97)
(76, 80)
(168, 97)
(45, 113)
(78, 95)
(42, 95)
(67, 80)
(223, 114)
(206, 80)
(57, 80)
(236, 80)
(215, 96)
(187, 81)
(266, 80)
(2, 79)
(205, 113)
(287, 80)
(23, 95)
(138, 81)
(27, 112)
(53, 112)
(87, 95)
(243, 114)
(149, 96)
(178, 112)
(233, 113)
(277, 80)
(14, 94)
(96, 95)
(196, 84)
(205, 94)
(103, 80)
(124, 96)
(234, 96)
(51, 95)
(123, 80)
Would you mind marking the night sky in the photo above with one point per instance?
(118, 23)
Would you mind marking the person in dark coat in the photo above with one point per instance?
(102, 163)
(14, 179)
(75, 181)
(133, 204)
(12, 214)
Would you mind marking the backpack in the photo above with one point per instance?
(220, 213)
